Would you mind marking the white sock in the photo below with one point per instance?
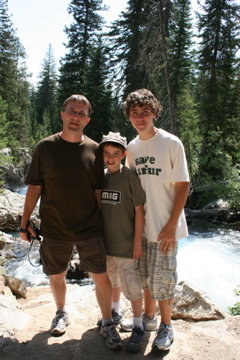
(116, 306)
(137, 321)
(106, 321)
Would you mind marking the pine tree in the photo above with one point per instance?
(46, 93)
(127, 73)
(98, 91)
(125, 42)
(81, 35)
(219, 31)
(13, 80)
(3, 124)
(166, 53)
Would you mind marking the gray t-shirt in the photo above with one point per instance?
(122, 193)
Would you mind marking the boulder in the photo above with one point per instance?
(193, 304)
(12, 318)
(14, 174)
(17, 286)
(11, 209)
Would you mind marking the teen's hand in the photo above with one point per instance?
(167, 239)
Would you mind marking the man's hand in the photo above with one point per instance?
(27, 232)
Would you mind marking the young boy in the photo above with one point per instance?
(122, 204)
(159, 160)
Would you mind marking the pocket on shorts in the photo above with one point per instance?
(164, 285)
(131, 286)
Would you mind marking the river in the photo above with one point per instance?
(210, 261)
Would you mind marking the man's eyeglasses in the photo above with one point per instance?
(80, 114)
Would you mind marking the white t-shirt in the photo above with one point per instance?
(159, 162)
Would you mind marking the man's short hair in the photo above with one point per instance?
(142, 97)
(80, 99)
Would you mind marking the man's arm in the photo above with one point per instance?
(98, 193)
(139, 225)
(31, 199)
(167, 236)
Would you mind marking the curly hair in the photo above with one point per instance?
(142, 97)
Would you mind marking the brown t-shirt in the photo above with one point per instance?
(69, 174)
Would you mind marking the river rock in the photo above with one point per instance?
(12, 318)
(193, 304)
(14, 174)
(11, 209)
(17, 286)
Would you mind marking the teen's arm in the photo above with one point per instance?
(31, 199)
(139, 225)
(167, 236)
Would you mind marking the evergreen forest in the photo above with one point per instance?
(192, 67)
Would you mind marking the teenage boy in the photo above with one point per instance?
(66, 174)
(159, 160)
(122, 205)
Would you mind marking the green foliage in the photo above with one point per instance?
(13, 83)
(99, 93)
(188, 129)
(3, 124)
(235, 309)
(205, 190)
(46, 95)
(82, 34)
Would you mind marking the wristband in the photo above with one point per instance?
(22, 230)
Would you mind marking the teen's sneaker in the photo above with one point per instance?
(59, 323)
(164, 338)
(110, 334)
(136, 340)
(149, 324)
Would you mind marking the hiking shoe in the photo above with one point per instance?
(136, 340)
(110, 334)
(116, 318)
(164, 338)
(59, 323)
(148, 323)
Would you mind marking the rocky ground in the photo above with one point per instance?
(202, 340)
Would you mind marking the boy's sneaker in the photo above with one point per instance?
(110, 334)
(136, 340)
(59, 323)
(164, 338)
(148, 323)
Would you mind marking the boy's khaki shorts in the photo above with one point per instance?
(158, 271)
(55, 255)
(124, 273)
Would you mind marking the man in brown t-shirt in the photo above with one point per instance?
(66, 173)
